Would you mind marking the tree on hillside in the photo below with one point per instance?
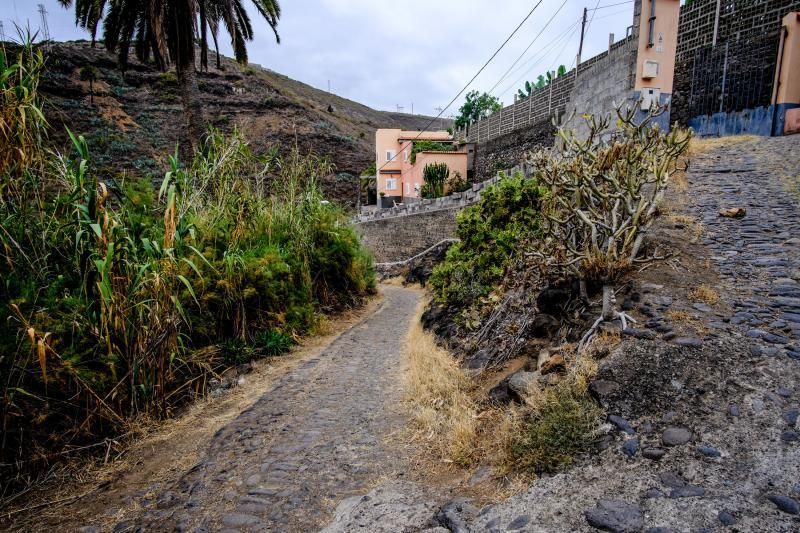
(164, 30)
(89, 73)
(477, 106)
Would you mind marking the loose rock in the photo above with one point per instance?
(615, 516)
(676, 436)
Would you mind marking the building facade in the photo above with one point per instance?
(400, 171)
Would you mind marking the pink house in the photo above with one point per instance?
(400, 180)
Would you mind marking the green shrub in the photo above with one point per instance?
(272, 342)
(560, 428)
(429, 146)
(490, 233)
(235, 352)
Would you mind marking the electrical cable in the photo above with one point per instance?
(434, 119)
(528, 47)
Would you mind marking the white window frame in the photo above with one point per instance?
(391, 184)
(408, 189)
(405, 155)
(390, 155)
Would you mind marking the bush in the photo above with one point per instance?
(272, 342)
(490, 233)
(115, 295)
(559, 429)
(429, 146)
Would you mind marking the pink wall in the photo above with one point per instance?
(408, 177)
(455, 161)
(665, 41)
(789, 84)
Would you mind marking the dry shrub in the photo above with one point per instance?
(693, 226)
(445, 415)
(705, 294)
(704, 145)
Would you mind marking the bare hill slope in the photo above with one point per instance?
(137, 116)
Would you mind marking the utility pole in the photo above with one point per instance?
(329, 86)
(45, 28)
(439, 112)
(2, 32)
(580, 46)
(412, 108)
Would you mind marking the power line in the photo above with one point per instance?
(529, 47)
(611, 5)
(513, 33)
(542, 54)
(615, 13)
(593, 13)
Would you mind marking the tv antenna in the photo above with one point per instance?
(439, 110)
(44, 26)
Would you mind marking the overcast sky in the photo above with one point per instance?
(385, 54)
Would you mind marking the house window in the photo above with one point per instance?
(391, 184)
(408, 188)
(405, 155)
(390, 155)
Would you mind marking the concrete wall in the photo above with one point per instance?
(510, 149)
(400, 237)
(607, 82)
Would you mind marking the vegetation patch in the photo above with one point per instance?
(491, 233)
(121, 301)
(561, 427)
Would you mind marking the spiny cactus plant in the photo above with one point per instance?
(604, 194)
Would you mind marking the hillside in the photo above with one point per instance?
(136, 118)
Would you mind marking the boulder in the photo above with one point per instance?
(733, 212)
(616, 516)
(521, 383)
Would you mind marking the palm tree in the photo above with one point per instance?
(234, 18)
(165, 30)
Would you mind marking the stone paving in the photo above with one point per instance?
(317, 437)
(704, 430)
(758, 255)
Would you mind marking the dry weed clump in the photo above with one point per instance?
(445, 414)
(561, 420)
(705, 294)
(693, 226)
(703, 145)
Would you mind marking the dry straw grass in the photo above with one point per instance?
(705, 294)
(444, 412)
(544, 433)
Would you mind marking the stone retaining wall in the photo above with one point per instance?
(401, 237)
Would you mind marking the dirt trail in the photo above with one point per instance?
(321, 432)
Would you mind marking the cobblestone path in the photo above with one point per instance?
(318, 436)
(704, 408)
(759, 255)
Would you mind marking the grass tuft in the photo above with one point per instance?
(438, 390)
(705, 294)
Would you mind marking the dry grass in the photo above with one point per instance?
(699, 146)
(439, 391)
(687, 320)
(705, 294)
(693, 226)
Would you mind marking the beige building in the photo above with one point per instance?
(399, 179)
